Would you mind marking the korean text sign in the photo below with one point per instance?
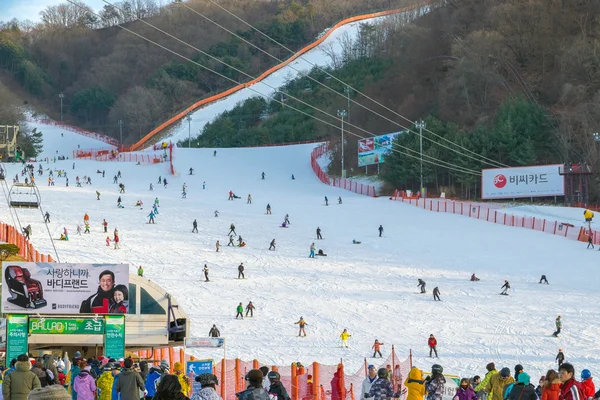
(53, 288)
(535, 181)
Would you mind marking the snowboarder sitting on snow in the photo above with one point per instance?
(354, 241)
(64, 237)
(474, 278)
(283, 225)
(320, 253)
(139, 203)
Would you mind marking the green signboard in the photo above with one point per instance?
(17, 336)
(114, 338)
(83, 326)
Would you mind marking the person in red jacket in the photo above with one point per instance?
(377, 348)
(587, 384)
(570, 388)
(432, 342)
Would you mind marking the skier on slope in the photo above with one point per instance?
(241, 271)
(250, 309)
(263, 176)
(506, 288)
(344, 336)
(543, 279)
(560, 358)
(195, 226)
(319, 233)
(301, 324)
(421, 285)
(326, 201)
(380, 229)
(272, 246)
(232, 230)
(214, 331)
(268, 209)
(436, 294)
(205, 270)
(377, 348)
(558, 323)
(432, 343)
(240, 311)
(151, 217)
(287, 219)
(474, 278)
(249, 200)
(218, 245)
(156, 202)
(340, 200)
(231, 241)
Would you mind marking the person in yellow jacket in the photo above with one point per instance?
(415, 384)
(588, 215)
(498, 382)
(491, 368)
(105, 383)
(184, 381)
(344, 336)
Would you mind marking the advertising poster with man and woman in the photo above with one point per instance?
(62, 288)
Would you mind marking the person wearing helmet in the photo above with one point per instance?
(255, 390)
(277, 388)
(435, 383)
(587, 384)
(208, 391)
(368, 382)
(497, 383)
(382, 389)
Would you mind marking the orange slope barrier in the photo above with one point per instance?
(262, 76)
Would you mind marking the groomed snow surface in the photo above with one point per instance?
(368, 288)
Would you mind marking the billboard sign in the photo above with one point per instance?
(373, 150)
(211, 342)
(534, 181)
(53, 288)
(17, 336)
(196, 368)
(114, 337)
(87, 326)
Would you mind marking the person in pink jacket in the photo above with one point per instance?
(84, 384)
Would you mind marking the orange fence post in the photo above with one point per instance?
(237, 375)
(316, 390)
(255, 364)
(181, 355)
(294, 382)
(171, 357)
(162, 355)
(394, 365)
(342, 382)
(351, 391)
(223, 376)
(156, 356)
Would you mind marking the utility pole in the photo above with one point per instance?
(342, 114)
(421, 124)
(121, 131)
(61, 106)
(189, 120)
(347, 90)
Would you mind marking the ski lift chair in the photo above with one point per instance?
(26, 292)
(28, 198)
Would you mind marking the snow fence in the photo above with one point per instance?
(10, 234)
(343, 183)
(303, 382)
(83, 132)
(496, 216)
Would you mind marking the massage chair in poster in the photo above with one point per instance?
(26, 292)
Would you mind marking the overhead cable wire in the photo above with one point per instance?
(481, 158)
(440, 163)
(277, 90)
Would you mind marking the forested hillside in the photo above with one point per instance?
(107, 74)
(516, 81)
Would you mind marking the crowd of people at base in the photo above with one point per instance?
(496, 385)
(101, 378)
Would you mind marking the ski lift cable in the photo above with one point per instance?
(274, 88)
(452, 166)
(488, 161)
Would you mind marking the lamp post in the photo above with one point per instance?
(421, 124)
(347, 90)
(189, 120)
(61, 106)
(121, 131)
(342, 114)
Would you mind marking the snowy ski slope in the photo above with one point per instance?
(368, 288)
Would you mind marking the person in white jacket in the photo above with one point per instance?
(369, 380)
